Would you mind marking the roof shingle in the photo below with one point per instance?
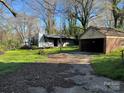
(108, 31)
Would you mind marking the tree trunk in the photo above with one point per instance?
(115, 22)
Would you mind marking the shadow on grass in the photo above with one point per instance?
(6, 68)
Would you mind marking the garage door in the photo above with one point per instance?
(92, 45)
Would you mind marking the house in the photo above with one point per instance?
(44, 40)
(101, 40)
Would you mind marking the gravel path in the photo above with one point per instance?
(73, 75)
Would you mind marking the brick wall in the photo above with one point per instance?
(113, 43)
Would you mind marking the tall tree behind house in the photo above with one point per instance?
(117, 12)
(83, 11)
(45, 9)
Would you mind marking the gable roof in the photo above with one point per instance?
(107, 31)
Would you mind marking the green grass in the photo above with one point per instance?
(22, 56)
(12, 60)
(109, 65)
(8, 67)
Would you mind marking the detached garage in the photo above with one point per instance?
(101, 40)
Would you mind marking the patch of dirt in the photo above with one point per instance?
(58, 56)
(36, 75)
(66, 58)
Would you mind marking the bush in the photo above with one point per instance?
(41, 52)
(34, 47)
(25, 47)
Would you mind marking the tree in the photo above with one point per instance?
(117, 12)
(25, 26)
(83, 10)
(5, 4)
(45, 10)
(6, 37)
(121, 19)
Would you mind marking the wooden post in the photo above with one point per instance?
(61, 45)
(122, 56)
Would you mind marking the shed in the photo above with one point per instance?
(101, 40)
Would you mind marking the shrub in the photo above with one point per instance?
(34, 47)
(41, 52)
(25, 47)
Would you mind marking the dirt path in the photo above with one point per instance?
(73, 75)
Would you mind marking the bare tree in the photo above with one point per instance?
(25, 26)
(83, 10)
(117, 12)
(10, 9)
(45, 9)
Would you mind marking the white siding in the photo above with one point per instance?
(41, 40)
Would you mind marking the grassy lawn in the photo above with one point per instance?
(12, 60)
(109, 65)
(24, 56)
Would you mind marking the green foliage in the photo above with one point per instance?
(109, 65)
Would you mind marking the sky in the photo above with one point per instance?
(19, 7)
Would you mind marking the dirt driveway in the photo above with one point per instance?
(73, 75)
